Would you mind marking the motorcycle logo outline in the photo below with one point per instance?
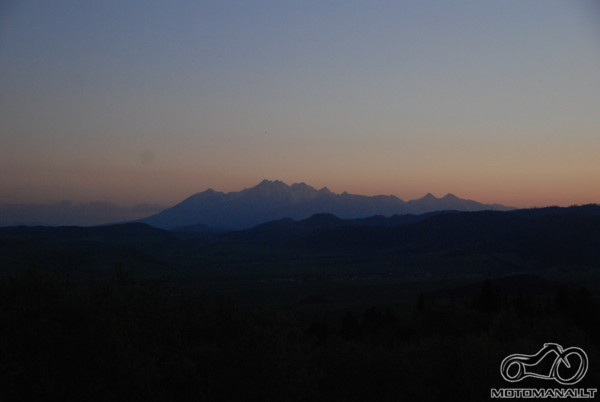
(522, 362)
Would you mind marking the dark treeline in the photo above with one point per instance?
(124, 339)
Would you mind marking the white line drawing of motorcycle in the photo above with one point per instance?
(516, 366)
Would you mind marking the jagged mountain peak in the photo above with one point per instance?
(297, 192)
(303, 187)
(278, 184)
(206, 194)
(271, 184)
(267, 188)
(273, 199)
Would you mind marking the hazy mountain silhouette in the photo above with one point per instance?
(273, 200)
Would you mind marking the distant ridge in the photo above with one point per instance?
(515, 241)
(273, 200)
(480, 243)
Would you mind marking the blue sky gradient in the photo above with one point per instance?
(150, 101)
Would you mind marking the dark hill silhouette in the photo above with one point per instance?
(197, 228)
(289, 231)
(553, 238)
(526, 284)
(90, 249)
(518, 240)
(589, 209)
(119, 233)
(484, 230)
(449, 227)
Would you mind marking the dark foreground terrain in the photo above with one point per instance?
(418, 308)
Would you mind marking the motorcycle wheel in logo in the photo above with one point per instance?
(517, 367)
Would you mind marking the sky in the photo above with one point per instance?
(147, 102)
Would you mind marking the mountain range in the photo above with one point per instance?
(437, 243)
(273, 200)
